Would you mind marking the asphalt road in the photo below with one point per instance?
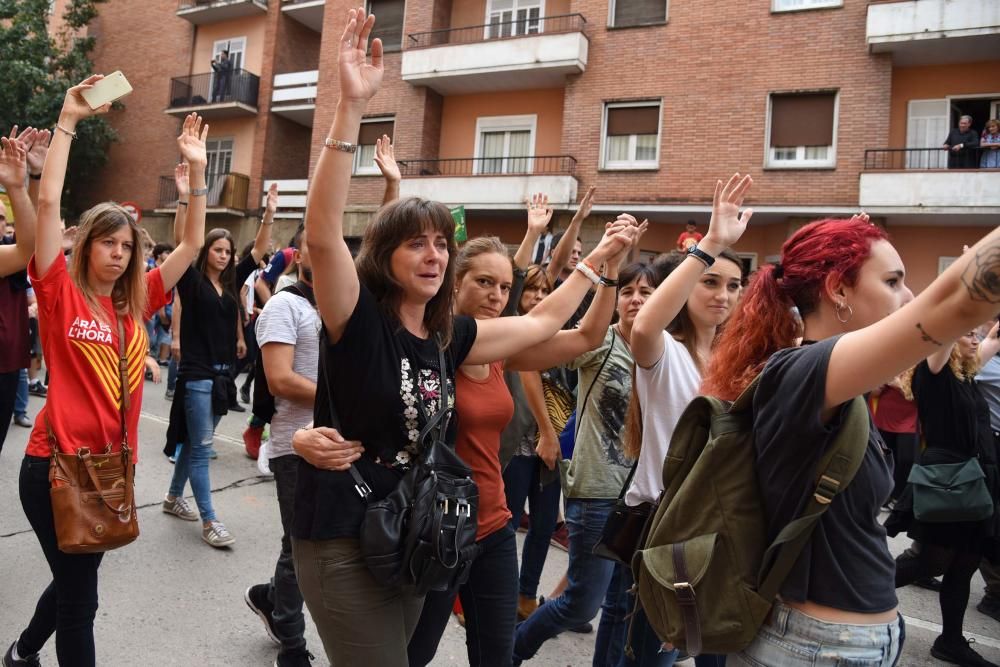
(170, 600)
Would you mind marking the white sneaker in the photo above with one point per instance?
(263, 461)
(217, 535)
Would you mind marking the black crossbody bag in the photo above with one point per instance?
(423, 534)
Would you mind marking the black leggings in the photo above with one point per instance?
(957, 568)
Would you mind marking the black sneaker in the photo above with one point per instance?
(928, 583)
(958, 651)
(245, 394)
(27, 661)
(256, 598)
(36, 388)
(236, 407)
(990, 605)
(299, 658)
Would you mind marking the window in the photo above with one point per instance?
(632, 135)
(511, 18)
(364, 157)
(220, 163)
(798, 5)
(802, 130)
(236, 46)
(625, 13)
(504, 144)
(389, 26)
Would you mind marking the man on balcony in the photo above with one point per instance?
(223, 68)
(963, 145)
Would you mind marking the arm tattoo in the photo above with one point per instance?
(926, 337)
(982, 275)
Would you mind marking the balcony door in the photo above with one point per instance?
(220, 163)
(505, 144)
(927, 127)
(514, 18)
(237, 47)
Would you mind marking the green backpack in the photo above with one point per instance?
(706, 577)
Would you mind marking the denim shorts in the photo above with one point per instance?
(791, 638)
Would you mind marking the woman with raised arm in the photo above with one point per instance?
(861, 327)
(672, 341)
(81, 307)
(384, 321)
(212, 331)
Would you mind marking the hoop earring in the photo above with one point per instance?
(850, 313)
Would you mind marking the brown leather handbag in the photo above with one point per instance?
(93, 495)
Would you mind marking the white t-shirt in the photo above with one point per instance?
(663, 390)
(290, 319)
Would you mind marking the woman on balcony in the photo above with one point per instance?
(990, 145)
(384, 318)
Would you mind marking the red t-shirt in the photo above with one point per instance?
(688, 239)
(82, 355)
(484, 409)
(893, 413)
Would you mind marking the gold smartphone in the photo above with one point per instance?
(109, 89)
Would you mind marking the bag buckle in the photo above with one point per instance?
(463, 505)
(83, 452)
(363, 490)
(826, 490)
(685, 593)
(443, 504)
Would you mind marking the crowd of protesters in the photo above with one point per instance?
(346, 357)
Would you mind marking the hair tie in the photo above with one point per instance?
(778, 271)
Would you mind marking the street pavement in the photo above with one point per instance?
(170, 600)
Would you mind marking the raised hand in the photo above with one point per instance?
(39, 149)
(618, 238)
(728, 224)
(24, 137)
(385, 158)
(271, 205)
(359, 79)
(181, 180)
(539, 213)
(585, 204)
(13, 164)
(75, 107)
(863, 217)
(191, 141)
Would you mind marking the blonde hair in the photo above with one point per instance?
(128, 296)
(992, 122)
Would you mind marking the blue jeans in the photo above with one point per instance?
(616, 616)
(21, 397)
(172, 374)
(193, 459)
(521, 482)
(588, 577)
(791, 638)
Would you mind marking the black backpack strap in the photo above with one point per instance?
(835, 471)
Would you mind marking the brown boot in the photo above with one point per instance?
(525, 607)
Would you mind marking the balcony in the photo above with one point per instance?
(291, 198)
(512, 55)
(200, 12)
(934, 32)
(213, 96)
(491, 183)
(294, 96)
(917, 181)
(307, 12)
(227, 194)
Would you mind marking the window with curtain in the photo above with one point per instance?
(632, 135)
(505, 151)
(802, 129)
(389, 26)
(511, 18)
(364, 157)
(625, 13)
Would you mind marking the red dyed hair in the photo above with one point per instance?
(764, 323)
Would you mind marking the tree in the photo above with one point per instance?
(38, 68)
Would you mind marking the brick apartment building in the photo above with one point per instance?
(827, 103)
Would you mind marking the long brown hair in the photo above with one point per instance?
(128, 296)
(228, 276)
(394, 224)
(535, 278)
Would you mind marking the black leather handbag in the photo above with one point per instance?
(423, 534)
(624, 527)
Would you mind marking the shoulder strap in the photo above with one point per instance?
(303, 290)
(583, 406)
(835, 471)
(628, 480)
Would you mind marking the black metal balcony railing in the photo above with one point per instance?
(490, 166)
(191, 4)
(897, 159)
(227, 190)
(521, 27)
(211, 88)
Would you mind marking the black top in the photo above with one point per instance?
(208, 322)
(953, 413)
(372, 373)
(966, 157)
(846, 564)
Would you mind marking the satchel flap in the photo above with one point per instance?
(946, 475)
(659, 561)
